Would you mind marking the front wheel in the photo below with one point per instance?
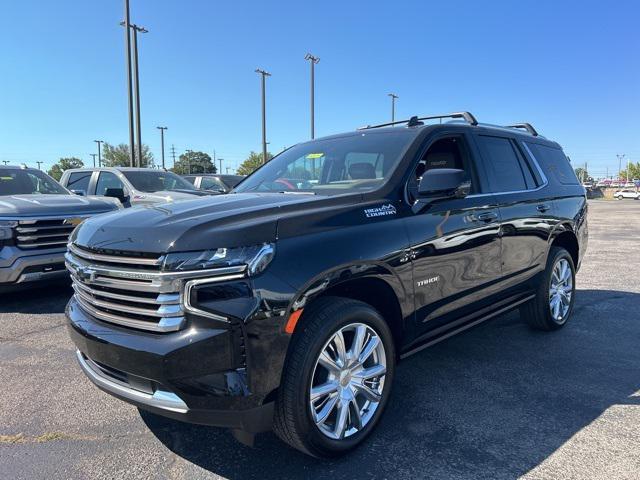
(337, 377)
(555, 294)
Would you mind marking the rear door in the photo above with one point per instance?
(455, 243)
(525, 204)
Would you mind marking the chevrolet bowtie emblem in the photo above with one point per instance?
(73, 221)
(86, 274)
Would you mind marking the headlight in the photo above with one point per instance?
(256, 258)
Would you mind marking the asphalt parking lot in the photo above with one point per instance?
(500, 401)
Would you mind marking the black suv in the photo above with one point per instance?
(288, 303)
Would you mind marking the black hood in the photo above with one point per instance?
(211, 222)
(51, 205)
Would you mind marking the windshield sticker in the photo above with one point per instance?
(382, 211)
(315, 155)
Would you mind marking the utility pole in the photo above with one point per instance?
(214, 160)
(264, 75)
(127, 36)
(620, 157)
(162, 129)
(99, 142)
(313, 61)
(393, 105)
(94, 155)
(39, 163)
(173, 154)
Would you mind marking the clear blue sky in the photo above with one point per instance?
(570, 68)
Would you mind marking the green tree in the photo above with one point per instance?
(64, 164)
(252, 163)
(118, 156)
(582, 174)
(634, 171)
(194, 162)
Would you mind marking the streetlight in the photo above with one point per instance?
(220, 160)
(162, 129)
(136, 81)
(94, 155)
(39, 163)
(264, 75)
(127, 36)
(313, 61)
(99, 142)
(393, 106)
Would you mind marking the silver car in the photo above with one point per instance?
(132, 186)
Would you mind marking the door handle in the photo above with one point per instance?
(487, 217)
(543, 207)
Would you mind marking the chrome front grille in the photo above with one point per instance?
(131, 290)
(40, 233)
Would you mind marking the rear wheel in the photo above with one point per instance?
(337, 378)
(555, 294)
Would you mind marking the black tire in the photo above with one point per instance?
(537, 312)
(293, 421)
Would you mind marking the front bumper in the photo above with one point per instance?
(194, 375)
(19, 267)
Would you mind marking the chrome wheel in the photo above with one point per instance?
(560, 290)
(348, 381)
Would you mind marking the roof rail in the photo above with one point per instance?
(414, 121)
(525, 126)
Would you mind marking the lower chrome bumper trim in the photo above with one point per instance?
(160, 399)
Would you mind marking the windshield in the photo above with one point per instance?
(155, 181)
(333, 166)
(28, 182)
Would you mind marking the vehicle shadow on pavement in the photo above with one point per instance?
(494, 402)
(43, 299)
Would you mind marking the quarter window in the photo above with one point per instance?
(506, 173)
(555, 162)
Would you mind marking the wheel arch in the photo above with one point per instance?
(567, 239)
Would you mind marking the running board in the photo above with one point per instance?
(461, 328)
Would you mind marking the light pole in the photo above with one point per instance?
(393, 106)
(127, 36)
(99, 142)
(264, 75)
(39, 163)
(162, 129)
(94, 155)
(136, 82)
(313, 61)
(620, 157)
(220, 160)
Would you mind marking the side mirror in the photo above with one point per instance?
(81, 193)
(116, 193)
(441, 183)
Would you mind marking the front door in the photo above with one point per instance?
(455, 243)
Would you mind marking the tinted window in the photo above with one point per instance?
(28, 182)
(79, 181)
(107, 180)
(210, 183)
(191, 180)
(153, 181)
(449, 152)
(505, 171)
(554, 162)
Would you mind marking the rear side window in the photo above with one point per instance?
(554, 162)
(79, 181)
(506, 173)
